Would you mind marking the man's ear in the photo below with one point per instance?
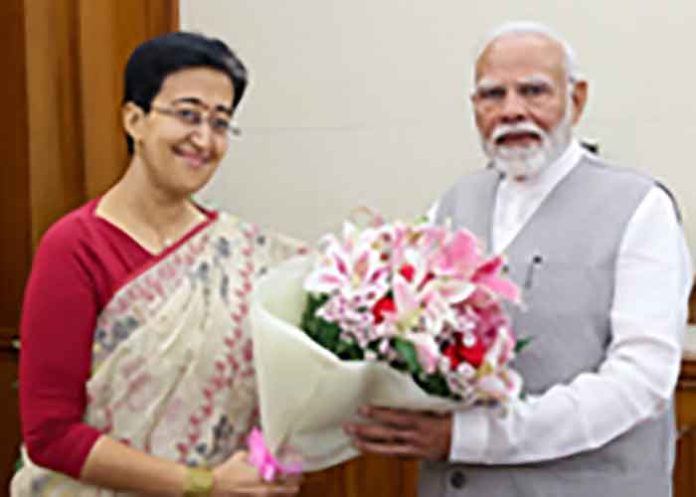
(133, 119)
(579, 98)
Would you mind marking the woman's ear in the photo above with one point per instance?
(133, 118)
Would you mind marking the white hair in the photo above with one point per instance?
(531, 27)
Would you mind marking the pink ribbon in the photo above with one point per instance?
(269, 467)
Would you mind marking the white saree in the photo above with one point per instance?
(172, 371)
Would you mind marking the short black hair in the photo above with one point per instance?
(154, 60)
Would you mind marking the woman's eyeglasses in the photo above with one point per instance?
(193, 118)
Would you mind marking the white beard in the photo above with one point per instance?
(528, 161)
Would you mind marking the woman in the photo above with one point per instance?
(136, 371)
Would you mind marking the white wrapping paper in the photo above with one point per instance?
(306, 393)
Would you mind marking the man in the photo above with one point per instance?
(605, 273)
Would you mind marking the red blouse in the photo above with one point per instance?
(81, 261)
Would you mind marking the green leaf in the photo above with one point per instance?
(522, 344)
(349, 351)
(327, 334)
(407, 353)
(434, 384)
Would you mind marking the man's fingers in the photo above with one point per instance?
(381, 433)
(392, 417)
(387, 449)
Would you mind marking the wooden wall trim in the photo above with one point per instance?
(15, 223)
(688, 372)
(9, 344)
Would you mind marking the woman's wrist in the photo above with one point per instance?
(198, 482)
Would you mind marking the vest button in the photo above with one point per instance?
(457, 479)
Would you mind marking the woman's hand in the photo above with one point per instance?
(237, 478)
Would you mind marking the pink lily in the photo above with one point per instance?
(488, 276)
(428, 352)
(352, 269)
(458, 256)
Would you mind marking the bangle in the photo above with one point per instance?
(198, 483)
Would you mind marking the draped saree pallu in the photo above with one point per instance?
(172, 372)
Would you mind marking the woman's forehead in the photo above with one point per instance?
(206, 85)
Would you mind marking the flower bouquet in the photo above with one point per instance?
(392, 314)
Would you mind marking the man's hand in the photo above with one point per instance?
(424, 435)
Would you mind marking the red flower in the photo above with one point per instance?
(474, 354)
(457, 352)
(451, 353)
(383, 305)
(407, 271)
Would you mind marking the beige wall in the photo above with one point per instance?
(365, 101)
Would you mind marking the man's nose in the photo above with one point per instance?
(514, 108)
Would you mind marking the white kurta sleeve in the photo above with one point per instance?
(636, 380)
